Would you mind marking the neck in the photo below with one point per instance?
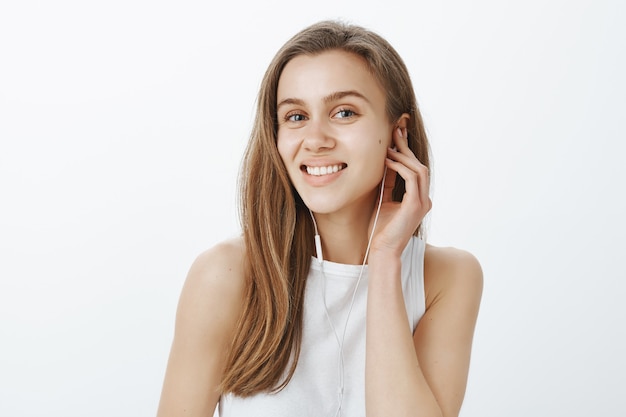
(345, 235)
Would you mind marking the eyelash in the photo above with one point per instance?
(352, 113)
(288, 117)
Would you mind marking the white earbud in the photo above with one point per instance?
(318, 247)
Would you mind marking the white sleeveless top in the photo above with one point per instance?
(314, 388)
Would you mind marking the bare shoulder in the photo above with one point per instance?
(220, 267)
(208, 310)
(449, 270)
(215, 283)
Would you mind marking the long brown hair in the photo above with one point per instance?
(277, 228)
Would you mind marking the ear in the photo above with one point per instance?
(403, 121)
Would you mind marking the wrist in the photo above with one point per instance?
(385, 261)
(384, 270)
(384, 254)
(388, 246)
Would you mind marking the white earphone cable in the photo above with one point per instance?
(321, 262)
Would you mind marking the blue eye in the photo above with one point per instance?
(345, 113)
(295, 117)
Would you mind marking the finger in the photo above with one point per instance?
(401, 141)
(406, 156)
(415, 199)
(415, 175)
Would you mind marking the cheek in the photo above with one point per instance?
(286, 149)
(281, 145)
(379, 134)
(379, 151)
(382, 140)
(387, 138)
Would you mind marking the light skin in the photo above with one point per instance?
(331, 113)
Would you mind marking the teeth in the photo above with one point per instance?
(319, 171)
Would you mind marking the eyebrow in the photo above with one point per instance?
(337, 95)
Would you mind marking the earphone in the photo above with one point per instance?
(318, 239)
(320, 259)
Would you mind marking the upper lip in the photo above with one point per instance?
(321, 163)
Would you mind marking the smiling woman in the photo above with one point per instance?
(331, 115)
(382, 323)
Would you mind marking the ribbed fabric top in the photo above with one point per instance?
(314, 388)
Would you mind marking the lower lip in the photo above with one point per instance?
(321, 180)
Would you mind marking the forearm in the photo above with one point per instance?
(394, 382)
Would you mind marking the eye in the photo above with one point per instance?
(295, 117)
(345, 113)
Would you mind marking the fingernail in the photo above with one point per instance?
(399, 132)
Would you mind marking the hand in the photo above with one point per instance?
(398, 220)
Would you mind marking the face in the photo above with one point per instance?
(333, 131)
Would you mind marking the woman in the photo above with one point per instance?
(330, 303)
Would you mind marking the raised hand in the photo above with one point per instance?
(398, 220)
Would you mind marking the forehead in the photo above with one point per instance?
(312, 77)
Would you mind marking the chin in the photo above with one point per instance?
(322, 204)
(319, 207)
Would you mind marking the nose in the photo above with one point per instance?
(318, 136)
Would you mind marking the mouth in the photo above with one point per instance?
(318, 171)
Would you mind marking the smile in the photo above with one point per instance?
(319, 171)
